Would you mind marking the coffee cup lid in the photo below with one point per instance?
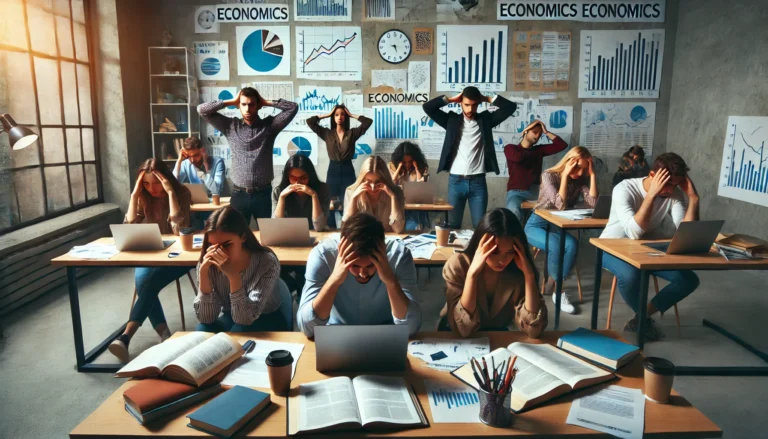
(279, 358)
(186, 231)
(659, 366)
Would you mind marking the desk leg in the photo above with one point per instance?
(74, 306)
(598, 280)
(726, 370)
(546, 256)
(559, 279)
(446, 217)
(642, 307)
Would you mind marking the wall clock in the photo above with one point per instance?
(394, 46)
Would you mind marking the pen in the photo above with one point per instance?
(248, 346)
(474, 372)
(485, 371)
(510, 373)
(502, 375)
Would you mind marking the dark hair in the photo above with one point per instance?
(156, 165)
(192, 143)
(250, 92)
(411, 149)
(333, 118)
(472, 93)
(364, 231)
(501, 223)
(672, 163)
(299, 161)
(638, 151)
(229, 220)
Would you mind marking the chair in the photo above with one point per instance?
(178, 293)
(286, 304)
(613, 294)
(536, 252)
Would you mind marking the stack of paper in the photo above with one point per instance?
(448, 354)
(421, 246)
(93, 251)
(615, 410)
(574, 214)
(251, 369)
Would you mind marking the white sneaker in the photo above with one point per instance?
(565, 303)
(119, 350)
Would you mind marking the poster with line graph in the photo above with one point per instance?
(452, 403)
(322, 10)
(608, 130)
(744, 170)
(397, 121)
(263, 50)
(329, 53)
(471, 55)
(318, 100)
(621, 63)
(289, 143)
(379, 10)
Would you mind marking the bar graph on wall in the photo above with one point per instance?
(322, 10)
(471, 55)
(625, 63)
(397, 121)
(744, 170)
(379, 10)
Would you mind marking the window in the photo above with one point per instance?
(45, 85)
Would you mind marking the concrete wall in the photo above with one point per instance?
(719, 69)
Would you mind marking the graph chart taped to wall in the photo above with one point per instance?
(379, 9)
(744, 170)
(471, 55)
(397, 121)
(289, 143)
(329, 53)
(608, 130)
(263, 50)
(322, 10)
(621, 63)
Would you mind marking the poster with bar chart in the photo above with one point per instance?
(452, 403)
(379, 10)
(744, 171)
(621, 63)
(471, 55)
(397, 121)
(329, 53)
(322, 10)
(608, 130)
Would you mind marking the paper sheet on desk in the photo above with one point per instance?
(448, 354)
(251, 370)
(615, 410)
(452, 403)
(574, 214)
(93, 251)
(421, 247)
(337, 235)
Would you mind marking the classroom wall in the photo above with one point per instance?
(719, 70)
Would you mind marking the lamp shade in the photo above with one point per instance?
(20, 137)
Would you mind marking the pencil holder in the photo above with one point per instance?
(495, 408)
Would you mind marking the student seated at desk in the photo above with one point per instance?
(561, 186)
(359, 280)
(375, 193)
(409, 164)
(195, 166)
(652, 208)
(301, 194)
(237, 277)
(158, 198)
(494, 281)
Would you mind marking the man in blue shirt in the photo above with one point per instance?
(359, 280)
(197, 167)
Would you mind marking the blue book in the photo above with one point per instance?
(598, 348)
(227, 413)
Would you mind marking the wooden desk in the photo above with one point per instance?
(564, 224)
(288, 256)
(445, 208)
(528, 205)
(647, 260)
(677, 419)
(209, 207)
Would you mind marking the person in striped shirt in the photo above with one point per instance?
(238, 279)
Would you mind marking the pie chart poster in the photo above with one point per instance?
(263, 50)
(289, 143)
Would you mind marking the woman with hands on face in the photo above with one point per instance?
(375, 193)
(408, 164)
(238, 279)
(301, 194)
(494, 281)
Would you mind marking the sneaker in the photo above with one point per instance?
(651, 332)
(119, 348)
(565, 303)
(165, 335)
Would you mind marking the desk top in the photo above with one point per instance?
(679, 418)
(422, 207)
(209, 207)
(530, 204)
(286, 255)
(641, 257)
(564, 223)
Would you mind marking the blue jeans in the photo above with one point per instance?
(412, 221)
(256, 204)
(516, 197)
(198, 219)
(536, 232)
(462, 189)
(149, 282)
(682, 283)
(266, 322)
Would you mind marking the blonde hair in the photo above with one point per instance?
(375, 165)
(575, 152)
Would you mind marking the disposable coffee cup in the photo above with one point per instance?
(216, 199)
(442, 235)
(659, 375)
(279, 365)
(186, 236)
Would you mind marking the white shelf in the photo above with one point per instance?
(164, 75)
(187, 104)
(177, 132)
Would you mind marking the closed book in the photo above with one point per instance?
(152, 393)
(173, 406)
(228, 412)
(598, 348)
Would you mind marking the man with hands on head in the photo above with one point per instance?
(195, 166)
(359, 280)
(652, 208)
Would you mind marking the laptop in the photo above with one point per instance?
(284, 232)
(138, 237)
(419, 192)
(602, 207)
(691, 237)
(199, 193)
(361, 348)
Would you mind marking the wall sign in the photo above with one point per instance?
(583, 10)
(251, 13)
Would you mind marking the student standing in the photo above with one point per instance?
(301, 194)
(494, 281)
(561, 187)
(195, 166)
(157, 198)
(238, 278)
(468, 152)
(376, 194)
(524, 165)
(652, 208)
(359, 280)
(251, 140)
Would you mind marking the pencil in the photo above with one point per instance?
(485, 371)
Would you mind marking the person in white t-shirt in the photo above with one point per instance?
(652, 208)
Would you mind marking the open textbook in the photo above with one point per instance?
(192, 359)
(367, 401)
(544, 372)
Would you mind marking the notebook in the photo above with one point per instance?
(153, 399)
(229, 412)
(598, 348)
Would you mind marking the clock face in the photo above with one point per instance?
(394, 46)
(206, 19)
